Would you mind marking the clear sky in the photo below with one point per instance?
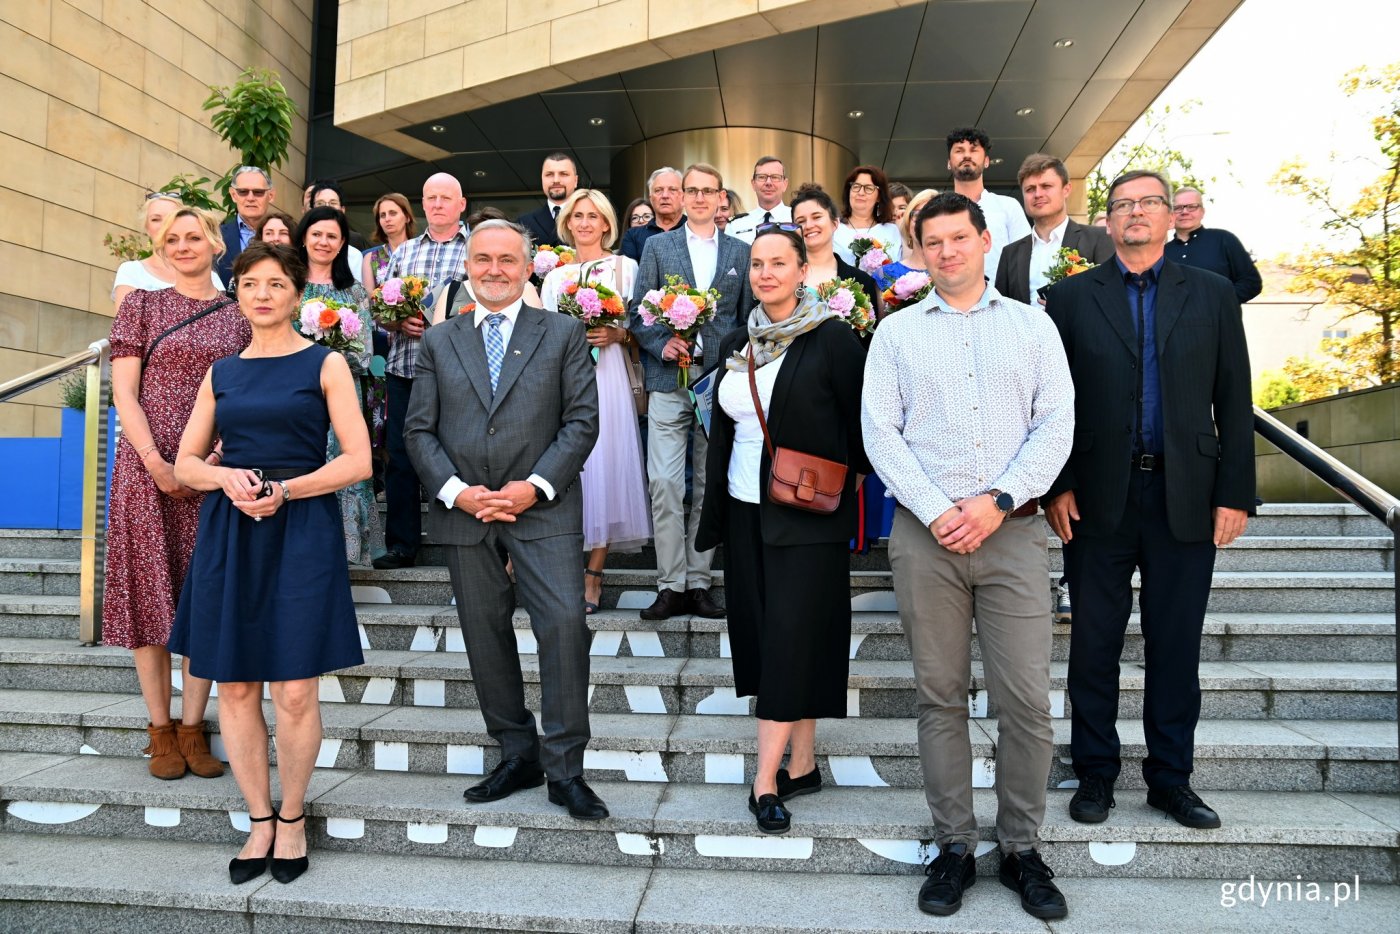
(1270, 77)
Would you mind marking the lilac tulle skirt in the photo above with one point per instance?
(616, 504)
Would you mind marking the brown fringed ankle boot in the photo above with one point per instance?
(194, 746)
(166, 761)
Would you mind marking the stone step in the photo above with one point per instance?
(1264, 755)
(658, 685)
(123, 886)
(40, 543)
(875, 831)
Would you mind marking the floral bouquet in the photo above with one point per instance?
(909, 289)
(847, 298)
(593, 303)
(1067, 263)
(547, 257)
(870, 254)
(683, 309)
(335, 324)
(399, 299)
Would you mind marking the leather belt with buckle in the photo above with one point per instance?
(1029, 508)
(1148, 462)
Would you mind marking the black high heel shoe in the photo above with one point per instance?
(286, 870)
(244, 870)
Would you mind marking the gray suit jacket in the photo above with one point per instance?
(1014, 271)
(542, 420)
(666, 254)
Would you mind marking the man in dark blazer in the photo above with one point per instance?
(252, 194)
(705, 257)
(1045, 190)
(558, 178)
(1161, 475)
(503, 415)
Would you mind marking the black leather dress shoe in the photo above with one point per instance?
(583, 803)
(789, 787)
(1024, 872)
(668, 603)
(1183, 806)
(505, 779)
(954, 870)
(1092, 802)
(702, 604)
(393, 560)
(772, 816)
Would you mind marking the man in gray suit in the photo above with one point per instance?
(503, 414)
(705, 257)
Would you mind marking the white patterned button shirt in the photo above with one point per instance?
(957, 404)
(437, 262)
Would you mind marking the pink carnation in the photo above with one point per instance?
(873, 260)
(841, 302)
(909, 283)
(392, 292)
(654, 298)
(647, 317)
(683, 312)
(545, 261)
(589, 301)
(349, 323)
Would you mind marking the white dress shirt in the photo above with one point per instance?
(745, 227)
(956, 404)
(888, 235)
(1006, 220)
(1043, 255)
(737, 402)
(454, 485)
(704, 255)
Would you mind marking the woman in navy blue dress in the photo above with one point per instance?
(267, 597)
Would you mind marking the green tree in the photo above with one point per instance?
(1359, 271)
(254, 116)
(1273, 389)
(1146, 145)
(1345, 363)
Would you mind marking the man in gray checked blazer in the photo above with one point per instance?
(503, 415)
(704, 257)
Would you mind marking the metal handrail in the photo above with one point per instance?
(95, 359)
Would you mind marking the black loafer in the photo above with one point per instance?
(393, 560)
(1092, 802)
(954, 871)
(583, 803)
(1183, 806)
(789, 787)
(702, 604)
(1027, 874)
(772, 816)
(505, 779)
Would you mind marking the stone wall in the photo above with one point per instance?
(1361, 429)
(102, 104)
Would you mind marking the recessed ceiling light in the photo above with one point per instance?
(480, 173)
(438, 128)
(998, 160)
(596, 121)
(1025, 111)
(855, 114)
(1064, 43)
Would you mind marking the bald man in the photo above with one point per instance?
(437, 255)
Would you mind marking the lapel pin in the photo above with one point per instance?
(516, 352)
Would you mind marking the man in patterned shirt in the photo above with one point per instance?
(968, 416)
(437, 255)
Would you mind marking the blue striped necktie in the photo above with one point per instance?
(495, 348)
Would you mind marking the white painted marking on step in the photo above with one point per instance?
(378, 691)
(637, 766)
(724, 769)
(51, 812)
(216, 747)
(645, 644)
(912, 852)
(1069, 783)
(465, 760)
(425, 639)
(429, 692)
(366, 593)
(636, 599)
(1057, 704)
(724, 650)
(856, 640)
(345, 828)
(983, 848)
(855, 770)
(163, 817)
(753, 847)
(330, 691)
(455, 641)
(591, 687)
(214, 689)
(427, 833)
(495, 837)
(724, 701)
(390, 757)
(364, 636)
(606, 642)
(984, 772)
(267, 691)
(977, 704)
(328, 753)
(526, 643)
(874, 601)
(853, 702)
(1113, 854)
(177, 679)
(87, 750)
(644, 698)
(239, 821)
(641, 844)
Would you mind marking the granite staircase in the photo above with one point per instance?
(1297, 749)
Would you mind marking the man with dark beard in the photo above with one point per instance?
(558, 179)
(969, 155)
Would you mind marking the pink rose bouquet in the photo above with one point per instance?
(910, 288)
(335, 324)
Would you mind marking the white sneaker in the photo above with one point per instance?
(1062, 612)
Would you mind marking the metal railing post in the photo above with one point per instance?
(94, 532)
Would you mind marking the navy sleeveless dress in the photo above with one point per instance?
(269, 600)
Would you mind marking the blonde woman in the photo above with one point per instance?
(912, 259)
(153, 273)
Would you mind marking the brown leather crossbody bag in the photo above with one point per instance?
(802, 481)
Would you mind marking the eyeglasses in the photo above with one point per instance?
(251, 192)
(1152, 204)
(163, 194)
(1184, 208)
(765, 179)
(700, 192)
(327, 203)
(859, 189)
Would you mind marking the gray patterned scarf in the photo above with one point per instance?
(770, 339)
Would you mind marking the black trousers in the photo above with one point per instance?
(1176, 579)
(403, 527)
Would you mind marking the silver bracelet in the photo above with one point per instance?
(286, 493)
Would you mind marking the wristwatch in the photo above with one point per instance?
(539, 492)
(1004, 503)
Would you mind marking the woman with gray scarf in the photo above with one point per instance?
(787, 569)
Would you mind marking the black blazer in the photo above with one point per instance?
(1207, 410)
(232, 247)
(1014, 270)
(815, 409)
(540, 223)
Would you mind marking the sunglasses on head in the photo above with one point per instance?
(163, 194)
(790, 228)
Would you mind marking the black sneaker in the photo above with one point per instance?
(1184, 806)
(954, 870)
(1091, 803)
(393, 560)
(1024, 872)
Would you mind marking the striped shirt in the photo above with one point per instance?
(437, 262)
(957, 404)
